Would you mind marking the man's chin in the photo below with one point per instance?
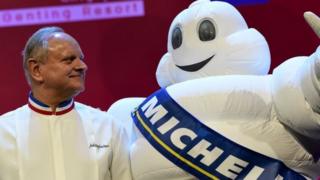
(79, 90)
(76, 90)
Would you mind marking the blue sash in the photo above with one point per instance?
(199, 150)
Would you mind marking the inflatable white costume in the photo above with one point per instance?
(275, 115)
(211, 38)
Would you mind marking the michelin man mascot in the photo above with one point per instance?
(219, 115)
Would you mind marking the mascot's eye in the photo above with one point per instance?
(176, 38)
(207, 31)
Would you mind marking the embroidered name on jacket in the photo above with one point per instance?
(98, 146)
(199, 150)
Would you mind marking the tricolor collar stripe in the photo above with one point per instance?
(42, 108)
(39, 110)
(66, 110)
(36, 102)
(50, 112)
(39, 105)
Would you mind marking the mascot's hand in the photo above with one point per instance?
(314, 21)
(317, 63)
(164, 70)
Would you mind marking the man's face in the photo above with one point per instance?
(64, 69)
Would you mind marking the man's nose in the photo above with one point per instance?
(81, 65)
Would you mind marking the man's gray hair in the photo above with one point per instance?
(37, 47)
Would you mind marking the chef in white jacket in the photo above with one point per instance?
(52, 137)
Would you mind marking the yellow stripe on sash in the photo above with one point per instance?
(172, 151)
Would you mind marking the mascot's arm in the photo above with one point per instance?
(296, 90)
(164, 77)
(296, 97)
(121, 111)
(296, 93)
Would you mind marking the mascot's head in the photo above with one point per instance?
(211, 38)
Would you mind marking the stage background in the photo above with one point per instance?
(123, 53)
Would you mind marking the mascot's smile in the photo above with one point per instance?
(196, 66)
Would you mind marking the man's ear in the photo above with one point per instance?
(34, 69)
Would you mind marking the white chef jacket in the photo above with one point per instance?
(77, 142)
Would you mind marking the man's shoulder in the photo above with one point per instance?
(96, 116)
(89, 111)
(83, 107)
(9, 116)
(9, 119)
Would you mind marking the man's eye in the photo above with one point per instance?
(69, 59)
(81, 57)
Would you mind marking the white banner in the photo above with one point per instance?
(71, 13)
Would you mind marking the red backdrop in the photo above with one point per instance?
(122, 54)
